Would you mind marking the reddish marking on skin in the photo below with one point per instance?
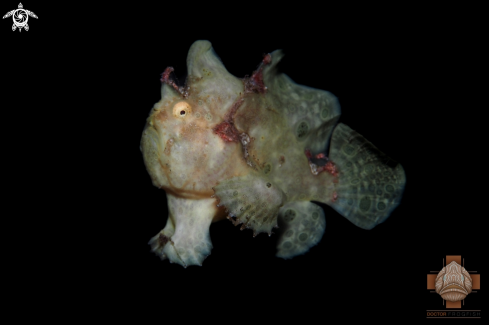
(230, 115)
(165, 77)
(227, 132)
(308, 154)
(255, 82)
(226, 129)
(330, 167)
(335, 196)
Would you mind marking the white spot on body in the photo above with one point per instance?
(245, 139)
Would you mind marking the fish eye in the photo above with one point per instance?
(181, 109)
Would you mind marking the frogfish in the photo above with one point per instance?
(257, 150)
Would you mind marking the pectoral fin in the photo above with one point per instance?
(253, 200)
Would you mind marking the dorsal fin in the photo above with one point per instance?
(208, 76)
(203, 62)
(311, 113)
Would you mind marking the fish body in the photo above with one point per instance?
(257, 151)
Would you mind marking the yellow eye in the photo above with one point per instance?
(181, 109)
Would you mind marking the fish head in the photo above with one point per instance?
(453, 282)
(182, 148)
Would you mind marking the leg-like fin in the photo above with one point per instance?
(302, 225)
(370, 184)
(185, 239)
(253, 200)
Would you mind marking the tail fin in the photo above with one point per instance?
(370, 184)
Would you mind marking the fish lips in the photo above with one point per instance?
(451, 287)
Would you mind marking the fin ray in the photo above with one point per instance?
(253, 200)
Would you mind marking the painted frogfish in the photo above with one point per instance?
(253, 150)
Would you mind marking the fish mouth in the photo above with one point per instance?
(454, 287)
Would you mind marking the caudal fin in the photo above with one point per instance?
(370, 184)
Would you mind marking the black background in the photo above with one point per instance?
(78, 86)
